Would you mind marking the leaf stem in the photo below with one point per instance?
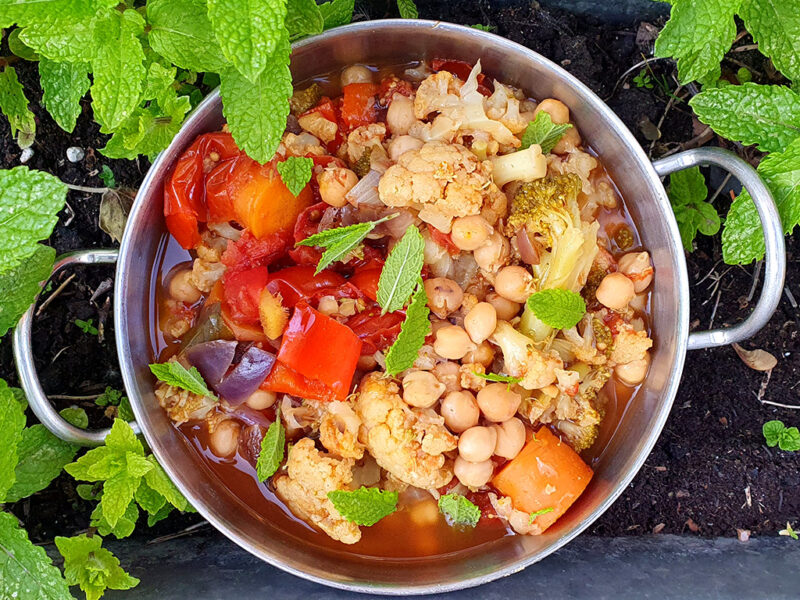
(88, 190)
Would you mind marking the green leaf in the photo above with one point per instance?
(687, 187)
(62, 39)
(122, 439)
(117, 68)
(789, 440)
(12, 423)
(256, 112)
(364, 506)
(124, 526)
(401, 271)
(775, 26)
(14, 105)
(742, 237)
(459, 510)
(118, 492)
(160, 515)
(249, 33)
(772, 432)
(340, 241)
(41, 456)
(303, 18)
(107, 175)
(296, 173)
(273, 447)
(95, 465)
(27, 571)
(20, 285)
(408, 9)
(543, 511)
(159, 481)
(20, 48)
(766, 115)
(181, 32)
(509, 379)
(74, 415)
(125, 412)
(557, 308)
(110, 396)
(337, 12)
(149, 499)
(697, 35)
(482, 27)
(174, 373)
(92, 567)
(413, 331)
(25, 12)
(544, 132)
(687, 193)
(63, 84)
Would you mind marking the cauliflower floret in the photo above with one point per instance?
(183, 405)
(207, 268)
(367, 138)
(311, 475)
(503, 106)
(470, 381)
(576, 161)
(519, 521)
(629, 344)
(318, 126)
(409, 443)
(583, 347)
(437, 93)
(443, 181)
(522, 359)
(338, 431)
(301, 145)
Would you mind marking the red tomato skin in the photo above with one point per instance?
(461, 69)
(366, 280)
(241, 293)
(284, 380)
(377, 331)
(248, 251)
(444, 240)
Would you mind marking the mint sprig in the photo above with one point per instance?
(544, 132)
(687, 195)
(273, 447)
(557, 308)
(94, 568)
(364, 506)
(416, 327)
(296, 172)
(174, 373)
(538, 513)
(459, 510)
(777, 434)
(401, 271)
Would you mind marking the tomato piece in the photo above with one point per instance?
(444, 240)
(284, 380)
(328, 110)
(320, 348)
(242, 332)
(393, 85)
(377, 331)
(242, 292)
(359, 105)
(218, 198)
(366, 280)
(248, 251)
(461, 69)
(299, 283)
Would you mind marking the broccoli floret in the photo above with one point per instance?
(623, 238)
(593, 383)
(302, 100)
(547, 206)
(604, 340)
(362, 166)
(589, 291)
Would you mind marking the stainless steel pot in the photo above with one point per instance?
(398, 41)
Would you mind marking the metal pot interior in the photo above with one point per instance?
(399, 42)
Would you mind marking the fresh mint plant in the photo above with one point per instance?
(687, 193)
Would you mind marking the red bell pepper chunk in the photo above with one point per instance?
(359, 105)
(284, 380)
(299, 283)
(241, 293)
(366, 280)
(320, 348)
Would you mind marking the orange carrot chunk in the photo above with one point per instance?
(547, 474)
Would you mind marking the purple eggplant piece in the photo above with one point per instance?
(212, 359)
(247, 376)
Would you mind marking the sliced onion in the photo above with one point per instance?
(246, 376)
(397, 226)
(212, 359)
(527, 251)
(366, 190)
(225, 230)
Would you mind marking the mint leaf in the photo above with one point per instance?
(25, 12)
(69, 39)
(149, 499)
(772, 432)
(92, 567)
(766, 115)
(337, 12)
(544, 132)
(775, 26)
(557, 308)
(303, 18)
(181, 32)
(537, 513)
(41, 458)
(341, 241)
(742, 237)
(28, 573)
(273, 447)
(407, 8)
(159, 516)
(76, 416)
(697, 35)
(12, 423)
(20, 48)
(14, 105)
(118, 491)
(296, 173)
(249, 33)
(789, 440)
(63, 86)
(459, 510)
(117, 68)
(121, 439)
(687, 194)
(364, 506)
(159, 481)
(687, 187)
(123, 527)
(174, 373)
(401, 271)
(107, 175)
(509, 379)
(20, 285)
(413, 331)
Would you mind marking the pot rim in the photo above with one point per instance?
(681, 318)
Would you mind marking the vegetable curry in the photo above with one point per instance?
(420, 322)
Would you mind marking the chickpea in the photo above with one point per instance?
(444, 295)
(636, 266)
(505, 308)
(473, 475)
(421, 389)
(460, 411)
(402, 144)
(334, 184)
(615, 291)
(569, 141)
(633, 373)
(493, 254)
(449, 374)
(425, 513)
(477, 444)
(480, 321)
(483, 355)
(225, 439)
(510, 438)
(182, 289)
(498, 403)
(469, 233)
(261, 399)
(356, 74)
(452, 342)
(558, 111)
(514, 283)
(400, 115)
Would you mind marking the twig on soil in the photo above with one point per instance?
(707, 275)
(59, 353)
(745, 48)
(188, 531)
(55, 294)
(87, 190)
(699, 140)
(71, 212)
(756, 275)
(790, 296)
(672, 99)
(73, 398)
(714, 311)
(778, 404)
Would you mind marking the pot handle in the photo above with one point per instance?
(775, 257)
(23, 356)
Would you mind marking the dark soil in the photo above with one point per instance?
(710, 472)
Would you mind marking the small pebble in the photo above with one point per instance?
(743, 534)
(26, 155)
(75, 154)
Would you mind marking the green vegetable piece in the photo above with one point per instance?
(28, 573)
(408, 9)
(63, 84)
(41, 457)
(775, 26)
(557, 308)
(14, 105)
(413, 331)
(538, 513)
(544, 132)
(296, 173)
(122, 528)
(401, 271)
(273, 448)
(687, 193)
(174, 373)
(12, 423)
(497, 378)
(364, 506)
(303, 18)
(92, 567)
(337, 12)
(86, 326)
(341, 241)
(20, 285)
(459, 510)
